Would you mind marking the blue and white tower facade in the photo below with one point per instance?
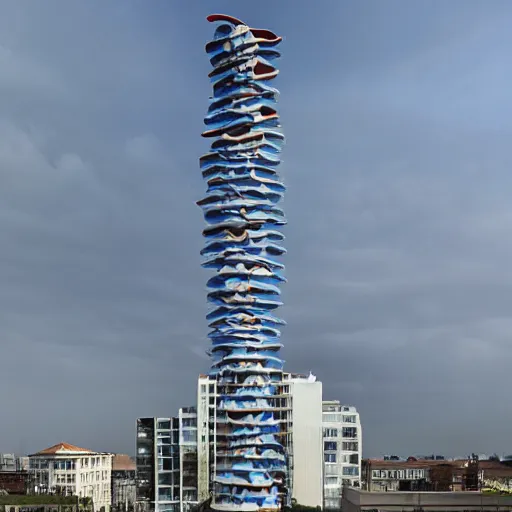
(243, 246)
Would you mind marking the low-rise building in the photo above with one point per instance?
(395, 475)
(433, 475)
(357, 500)
(8, 462)
(15, 482)
(65, 469)
(12, 462)
(123, 483)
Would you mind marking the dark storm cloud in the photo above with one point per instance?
(398, 167)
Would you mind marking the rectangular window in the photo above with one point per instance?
(329, 457)
(332, 417)
(349, 419)
(331, 480)
(330, 432)
(349, 432)
(165, 494)
(331, 469)
(190, 495)
(203, 389)
(330, 446)
(165, 439)
(189, 436)
(164, 425)
(166, 479)
(348, 471)
(353, 458)
(350, 446)
(164, 451)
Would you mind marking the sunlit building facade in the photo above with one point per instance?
(69, 470)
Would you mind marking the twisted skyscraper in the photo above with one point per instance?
(242, 246)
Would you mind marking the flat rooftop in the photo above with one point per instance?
(355, 500)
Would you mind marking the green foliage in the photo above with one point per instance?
(37, 499)
(297, 507)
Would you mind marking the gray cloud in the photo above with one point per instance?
(397, 165)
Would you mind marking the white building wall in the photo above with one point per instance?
(8, 462)
(206, 390)
(84, 475)
(307, 441)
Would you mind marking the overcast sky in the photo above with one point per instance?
(398, 117)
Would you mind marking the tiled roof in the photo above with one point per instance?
(63, 448)
(122, 462)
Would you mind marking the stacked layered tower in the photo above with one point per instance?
(242, 246)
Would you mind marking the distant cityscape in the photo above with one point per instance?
(175, 461)
(258, 438)
(176, 457)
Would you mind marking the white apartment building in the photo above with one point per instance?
(73, 471)
(342, 450)
(176, 457)
(304, 425)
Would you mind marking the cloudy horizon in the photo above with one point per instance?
(398, 124)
